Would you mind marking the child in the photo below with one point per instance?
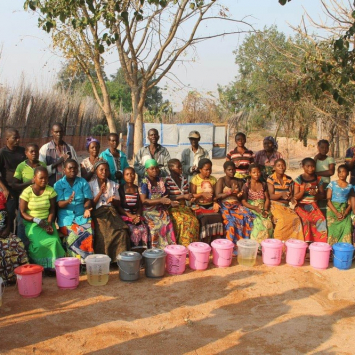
(185, 223)
(131, 210)
(241, 156)
(338, 211)
(12, 250)
(325, 168)
(256, 198)
(308, 189)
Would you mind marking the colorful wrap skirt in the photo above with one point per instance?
(339, 230)
(262, 227)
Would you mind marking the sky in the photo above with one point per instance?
(26, 48)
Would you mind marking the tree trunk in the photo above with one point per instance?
(138, 119)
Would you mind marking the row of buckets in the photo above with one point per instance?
(173, 260)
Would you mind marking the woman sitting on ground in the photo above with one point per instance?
(37, 206)
(256, 198)
(185, 223)
(308, 189)
(286, 220)
(87, 165)
(131, 210)
(238, 221)
(111, 233)
(339, 208)
(153, 194)
(267, 157)
(12, 249)
(202, 186)
(74, 210)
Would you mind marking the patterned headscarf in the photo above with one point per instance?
(273, 141)
(89, 140)
(99, 162)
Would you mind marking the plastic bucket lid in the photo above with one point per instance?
(319, 246)
(247, 243)
(272, 243)
(222, 244)
(154, 253)
(296, 243)
(175, 249)
(199, 247)
(29, 269)
(69, 261)
(97, 259)
(343, 247)
(129, 256)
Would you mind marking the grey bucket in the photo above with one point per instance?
(154, 262)
(129, 264)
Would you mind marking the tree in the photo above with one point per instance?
(149, 36)
(100, 130)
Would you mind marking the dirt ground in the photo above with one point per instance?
(257, 310)
(262, 310)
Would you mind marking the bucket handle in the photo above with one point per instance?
(343, 261)
(224, 258)
(68, 278)
(127, 273)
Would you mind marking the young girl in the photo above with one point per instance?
(241, 156)
(325, 168)
(308, 189)
(338, 211)
(202, 187)
(238, 221)
(256, 198)
(155, 206)
(185, 223)
(286, 220)
(131, 209)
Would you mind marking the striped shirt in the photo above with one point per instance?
(307, 185)
(129, 201)
(174, 189)
(241, 161)
(280, 187)
(38, 206)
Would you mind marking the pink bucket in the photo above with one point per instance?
(175, 259)
(296, 252)
(29, 280)
(199, 255)
(320, 253)
(271, 251)
(67, 273)
(222, 251)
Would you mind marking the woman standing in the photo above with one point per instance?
(238, 221)
(266, 158)
(37, 207)
(202, 187)
(241, 156)
(74, 211)
(131, 210)
(87, 165)
(153, 194)
(280, 186)
(185, 223)
(115, 158)
(111, 233)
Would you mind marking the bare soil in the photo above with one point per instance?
(269, 310)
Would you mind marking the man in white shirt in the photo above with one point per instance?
(192, 155)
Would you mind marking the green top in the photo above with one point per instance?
(24, 172)
(38, 206)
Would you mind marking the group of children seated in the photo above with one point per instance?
(250, 201)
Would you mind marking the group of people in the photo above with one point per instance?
(104, 211)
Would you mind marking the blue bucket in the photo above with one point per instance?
(343, 255)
